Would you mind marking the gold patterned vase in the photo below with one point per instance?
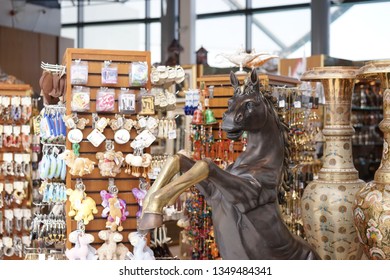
(372, 205)
(327, 202)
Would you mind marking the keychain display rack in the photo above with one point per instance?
(95, 182)
(16, 170)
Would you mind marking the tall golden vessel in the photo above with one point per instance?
(327, 202)
(372, 205)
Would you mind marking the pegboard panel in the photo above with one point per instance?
(94, 182)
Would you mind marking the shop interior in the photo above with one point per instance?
(137, 130)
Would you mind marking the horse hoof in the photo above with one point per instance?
(150, 221)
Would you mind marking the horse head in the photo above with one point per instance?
(246, 109)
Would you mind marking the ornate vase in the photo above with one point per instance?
(372, 205)
(327, 202)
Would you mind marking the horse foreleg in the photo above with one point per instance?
(152, 214)
(170, 169)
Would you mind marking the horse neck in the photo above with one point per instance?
(265, 146)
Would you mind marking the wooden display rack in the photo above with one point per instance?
(94, 182)
(15, 90)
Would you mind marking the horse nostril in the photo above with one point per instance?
(239, 117)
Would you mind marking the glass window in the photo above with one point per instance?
(275, 3)
(70, 32)
(68, 12)
(261, 42)
(155, 42)
(155, 8)
(215, 6)
(102, 10)
(115, 37)
(360, 33)
(286, 26)
(220, 35)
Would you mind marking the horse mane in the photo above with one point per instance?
(271, 104)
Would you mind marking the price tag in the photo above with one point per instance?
(156, 171)
(18, 158)
(146, 137)
(27, 158)
(70, 123)
(16, 130)
(7, 130)
(172, 134)
(9, 187)
(6, 101)
(18, 186)
(151, 123)
(8, 157)
(282, 103)
(26, 101)
(142, 122)
(96, 137)
(26, 129)
(15, 100)
(297, 104)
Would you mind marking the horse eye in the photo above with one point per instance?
(250, 105)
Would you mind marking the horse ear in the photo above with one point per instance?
(233, 79)
(254, 78)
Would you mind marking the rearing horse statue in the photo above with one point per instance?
(245, 211)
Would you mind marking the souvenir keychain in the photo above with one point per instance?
(136, 161)
(105, 100)
(139, 194)
(75, 135)
(110, 162)
(126, 101)
(96, 137)
(138, 74)
(114, 207)
(109, 73)
(79, 72)
(122, 127)
(80, 99)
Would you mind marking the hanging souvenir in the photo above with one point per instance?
(136, 161)
(146, 103)
(110, 162)
(80, 99)
(96, 137)
(105, 100)
(122, 127)
(143, 140)
(139, 194)
(109, 72)
(78, 166)
(126, 101)
(138, 74)
(79, 72)
(114, 207)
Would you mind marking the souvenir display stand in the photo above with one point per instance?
(94, 182)
(15, 170)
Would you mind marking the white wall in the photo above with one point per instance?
(30, 17)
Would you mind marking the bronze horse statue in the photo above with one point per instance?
(245, 210)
